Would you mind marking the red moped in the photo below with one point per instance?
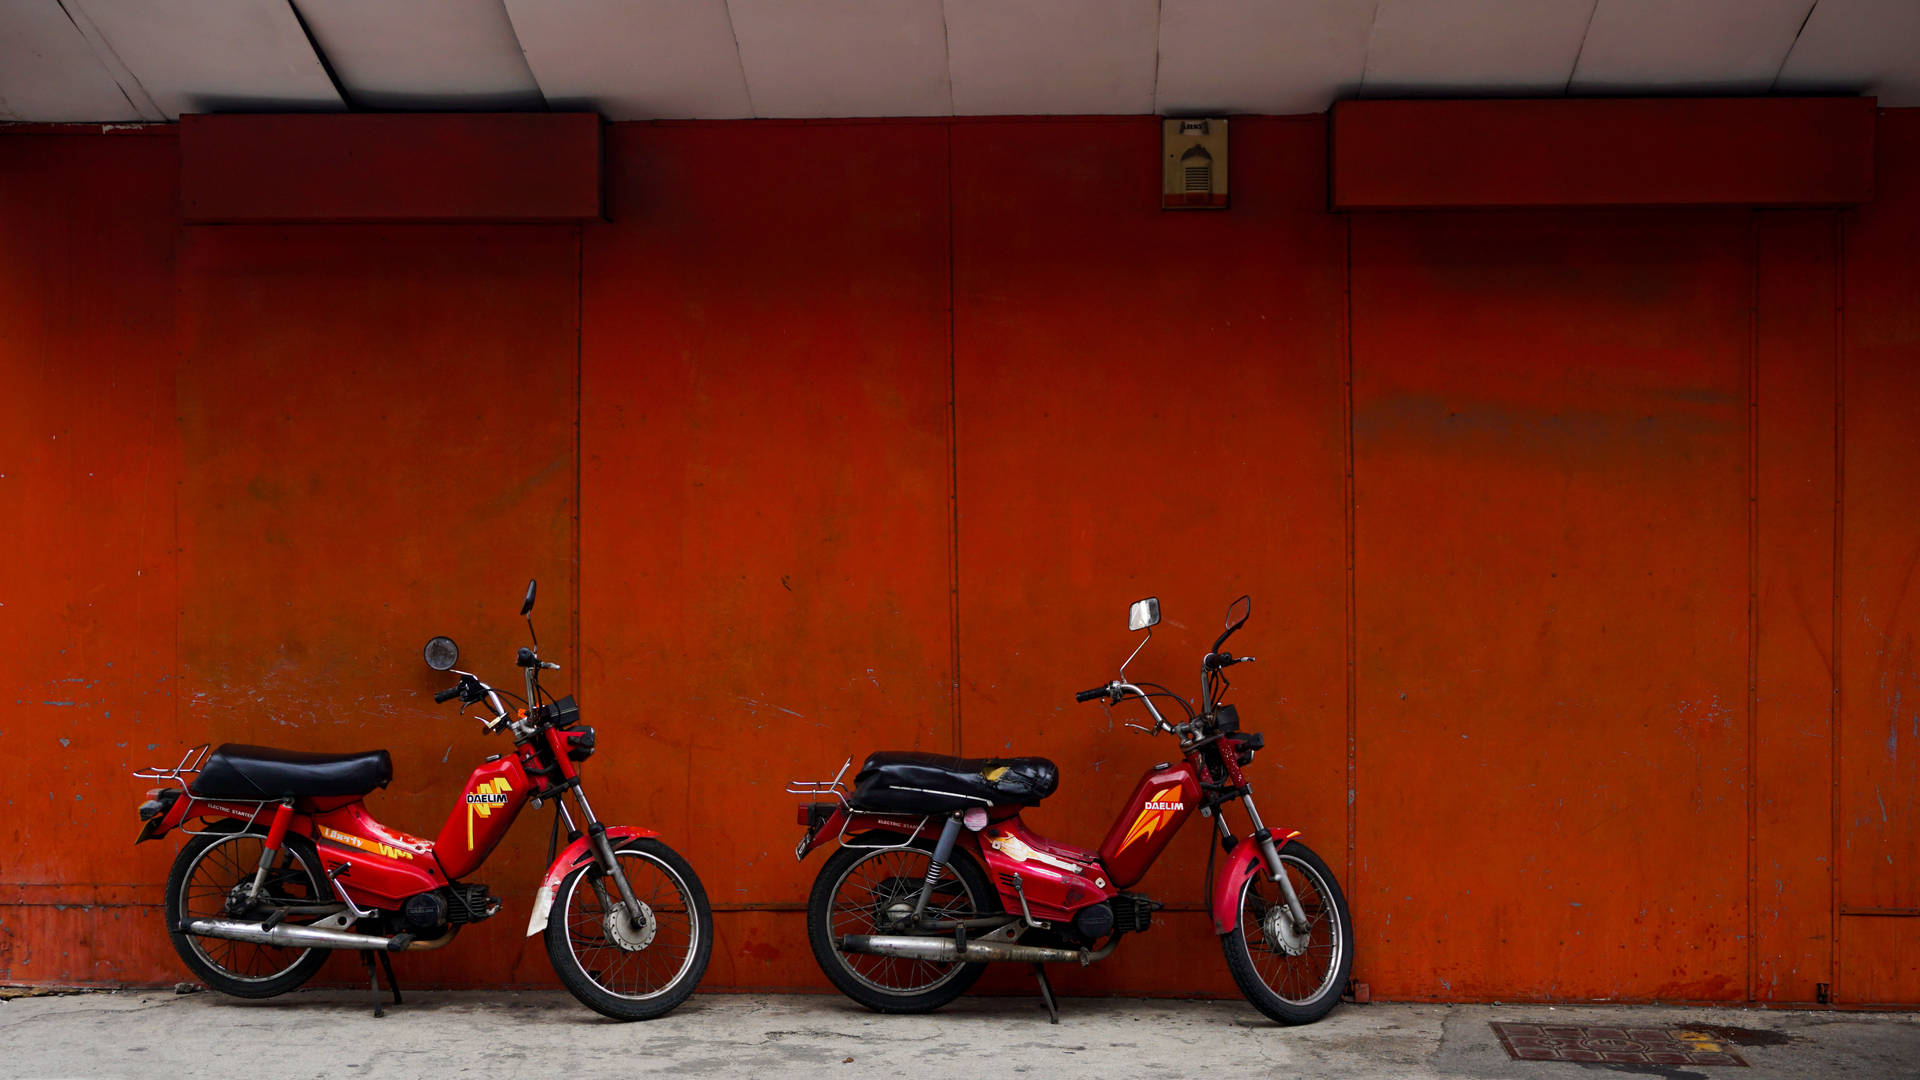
(286, 864)
(936, 875)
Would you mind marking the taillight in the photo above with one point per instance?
(811, 815)
(159, 801)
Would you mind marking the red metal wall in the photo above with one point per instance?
(844, 435)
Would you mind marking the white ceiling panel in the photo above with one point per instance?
(423, 54)
(634, 59)
(49, 73)
(1700, 46)
(1288, 56)
(1051, 57)
(1858, 46)
(844, 57)
(1477, 47)
(214, 55)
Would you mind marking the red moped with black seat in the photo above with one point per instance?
(286, 864)
(936, 875)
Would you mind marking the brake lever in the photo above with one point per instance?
(1142, 727)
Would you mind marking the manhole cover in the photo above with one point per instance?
(1614, 1045)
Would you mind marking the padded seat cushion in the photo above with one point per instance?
(911, 781)
(236, 771)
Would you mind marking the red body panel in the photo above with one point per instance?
(384, 866)
(1166, 796)
(1056, 879)
(494, 795)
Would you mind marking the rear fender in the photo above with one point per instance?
(1241, 865)
(573, 855)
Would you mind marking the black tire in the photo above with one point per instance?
(1292, 988)
(601, 971)
(208, 867)
(853, 973)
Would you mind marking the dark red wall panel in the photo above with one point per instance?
(378, 446)
(1149, 403)
(363, 167)
(764, 570)
(1879, 649)
(88, 461)
(1400, 155)
(1550, 455)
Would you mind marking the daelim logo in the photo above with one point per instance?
(1157, 812)
(482, 799)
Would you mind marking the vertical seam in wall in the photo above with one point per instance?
(1839, 534)
(1753, 608)
(177, 454)
(579, 410)
(1353, 615)
(953, 459)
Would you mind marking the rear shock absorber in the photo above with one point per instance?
(942, 851)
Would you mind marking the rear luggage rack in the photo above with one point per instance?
(821, 789)
(835, 789)
(190, 763)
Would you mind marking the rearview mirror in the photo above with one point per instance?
(442, 654)
(1144, 614)
(526, 606)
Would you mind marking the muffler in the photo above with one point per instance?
(942, 950)
(306, 937)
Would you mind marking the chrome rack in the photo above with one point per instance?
(822, 789)
(190, 762)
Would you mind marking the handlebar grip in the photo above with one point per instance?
(1089, 695)
(446, 695)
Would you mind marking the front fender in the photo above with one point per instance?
(571, 856)
(1241, 865)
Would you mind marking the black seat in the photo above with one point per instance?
(911, 781)
(235, 771)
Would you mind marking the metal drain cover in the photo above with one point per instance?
(1614, 1045)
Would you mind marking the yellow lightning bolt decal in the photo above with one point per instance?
(482, 799)
(1152, 816)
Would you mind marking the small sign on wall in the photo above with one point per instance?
(1193, 164)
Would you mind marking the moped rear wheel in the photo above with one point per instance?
(615, 968)
(209, 879)
(862, 891)
(1293, 975)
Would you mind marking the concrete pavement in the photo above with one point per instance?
(502, 1035)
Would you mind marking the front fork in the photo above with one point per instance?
(1270, 854)
(597, 834)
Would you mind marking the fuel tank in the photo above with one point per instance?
(495, 793)
(1166, 796)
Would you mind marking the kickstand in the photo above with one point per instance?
(386, 962)
(373, 980)
(1046, 994)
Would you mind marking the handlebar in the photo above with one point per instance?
(1094, 694)
(448, 694)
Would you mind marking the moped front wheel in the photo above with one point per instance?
(870, 891)
(1291, 973)
(624, 968)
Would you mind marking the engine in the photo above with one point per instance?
(448, 906)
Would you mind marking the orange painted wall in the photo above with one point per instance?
(843, 435)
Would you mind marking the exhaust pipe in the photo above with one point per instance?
(946, 950)
(307, 937)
